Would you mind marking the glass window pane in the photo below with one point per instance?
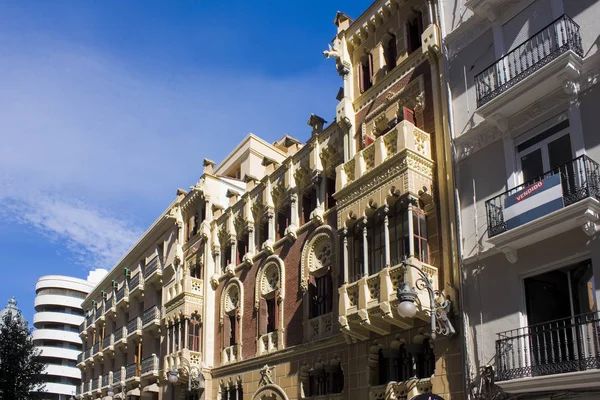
(532, 165)
(559, 151)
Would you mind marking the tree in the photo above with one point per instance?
(20, 363)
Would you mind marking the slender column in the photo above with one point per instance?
(186, 323)
(294, 209)
(233, 250)
(345, 255)
(365, 249)
(251, 244)
(386, 235)
(271, 224)
(411, 242)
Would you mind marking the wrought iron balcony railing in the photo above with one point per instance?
(556, 347)
(79, 357)
(96, 348)
(120, 333)
(150, 315)
(95, 384)
(132, 371)
(150, 364)
(110, 302)
(136, 282)
(152, 266)
(89, 320)
(78, 390)
(555, 39)
(82, 326)
(134, 326)
(122, 293)
(105, 381)
(580, 179)
(118, 376)
(88, 353)
(108, 341)
(86, 386)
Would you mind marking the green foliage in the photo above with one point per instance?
(20, 365)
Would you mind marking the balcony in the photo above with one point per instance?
(108, 344)
(151, 319)
(136, 285)
(267, 343)
(132, 372)
(123, 295)
(369, 304)
(87, 387)
(89, 355)
(577, 184)
(79, 359)
(400, 158)
(150, 366)
(106, 381)
(118, 376)
(533, 70)
(95, 382)
(97, 350)
(134, 328)
(99, 314)
(231, 354)
(89, 321)
(558, 355)
(111, 306)
(320, 326)
(121, 336)
(153, 270)
(83, 329)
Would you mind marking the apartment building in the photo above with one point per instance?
(58, 315)
(291, 270)
(522, 77)
(122, 334)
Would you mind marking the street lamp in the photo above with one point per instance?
(173, 376)
(440, 305)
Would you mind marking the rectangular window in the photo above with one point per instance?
(283, 220)
(399, 244)
(414, 30)
(232, 330)
(271, 315)
(420, 235)
(242, 248)
(330, 190)
(356, 261)
(309, 203)
(321, 295)
(225, 256)
(263, 233)
(376, 245)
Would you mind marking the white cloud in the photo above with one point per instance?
(92, 148)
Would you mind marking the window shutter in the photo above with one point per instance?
(312, 293)
(276, 310)
(263, 316)
(226, 331)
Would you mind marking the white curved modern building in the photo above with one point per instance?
(58, 314)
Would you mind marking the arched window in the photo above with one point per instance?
(230, 316)
(269, 295)
(325, 378)
(194, 332)
(196, 270)
(390, 52)
(365, 72)
(284, 218)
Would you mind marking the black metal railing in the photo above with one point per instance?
(96, 348)
(86, 386)
(151, 315)
(110, 302)
(99, 312)
(150, 364)
(82, 326)
(132, 370)
(89, 320)
(78, 390)
(134, 325)
(135, 282)
(105, 381)
(118, 376)
(121, 292)
(107, 341)
(119, 333)
(151, 267)
(556, 347)
(580, 179)
(79, 358)
(94, 384)
(555, 39)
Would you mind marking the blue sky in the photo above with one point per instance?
(106, 108)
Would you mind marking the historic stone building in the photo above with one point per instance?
(293, 270)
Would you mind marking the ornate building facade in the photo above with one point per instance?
(293, 270)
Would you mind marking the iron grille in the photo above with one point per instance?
(121, 293)
(110, 302)
(105, 381)
(86, 386)
(79, 358)
(119, 334)
(117, 376)
(556, 347)
(134, 282)
(132, 370)
(151, 314)
(555, 39)
(151, 267)
(134, 325)
(96, 348)
(580, 179)
(107, 342)
(150, 364)
(89, 320)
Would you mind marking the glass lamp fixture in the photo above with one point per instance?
(407, 296)
(110, 392)
(172, 375)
